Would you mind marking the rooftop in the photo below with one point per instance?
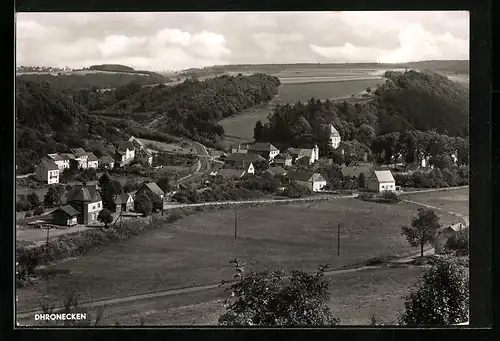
(92, 157)
(106, 159)
(69, 210)
(384, 176)
(153, 187)
(48, 163)
(78, 152)
(244, 157)
(263, 147)
(84, 193)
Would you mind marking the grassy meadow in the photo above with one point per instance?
(454, 200)
(196, 249)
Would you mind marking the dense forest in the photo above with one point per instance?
(52, 119)
(194, 107)
(408, 101)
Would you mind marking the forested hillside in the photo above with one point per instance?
(193, 108)
(50, 120)
(408, 101)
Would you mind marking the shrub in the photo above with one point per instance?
(459, 243)
(428, 303)
(22, 204)
(105, 217)
(265, 298)
(38, 211)
(143, 204)
(28, 215)
(390, 196)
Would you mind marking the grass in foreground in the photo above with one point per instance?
(195, 250)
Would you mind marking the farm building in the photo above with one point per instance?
(124, 202)
(298, 153)
(283, 159)
(150, 187)
(66, 215)
(445, 233)
(381, 181)
(87, 200)
(314, 181)
(264, 149)
(81, 156)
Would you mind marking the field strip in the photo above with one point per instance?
(172, 292)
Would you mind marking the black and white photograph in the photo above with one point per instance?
(236, 169)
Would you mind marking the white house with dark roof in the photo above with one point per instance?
(314, 181)
(125, 152)
(124, 202)
(81, 156)
(381, 181)
(264, 149)
(86, 200)
(92, 161)
(47, 171)
(334, 136)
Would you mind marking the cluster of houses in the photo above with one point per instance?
(84, 202)
(50, 166)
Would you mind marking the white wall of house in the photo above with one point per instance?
(239, 150)
(318, 185)
(373, 185)
(91, 211)
(335, 141)
(45, 175)
(251, 169)
(273, 154)
(93, 164)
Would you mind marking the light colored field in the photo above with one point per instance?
(453, 200)
(196, 249)
(242, 125)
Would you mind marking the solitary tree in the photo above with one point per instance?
(105, 217)
(164, 184)
(268, 298)
(423, 228)
(109, 191)
(361, 180)
(441, 297)
(257, 131)
(143, 204)
(53, 195)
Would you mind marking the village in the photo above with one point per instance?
(84, 208)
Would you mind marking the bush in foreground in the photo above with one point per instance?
(459, 243)
(269, 299)
(441, 297)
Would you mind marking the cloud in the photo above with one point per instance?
(176, 40)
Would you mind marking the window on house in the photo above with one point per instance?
(383, 186)
(93, 207)
(99, 205)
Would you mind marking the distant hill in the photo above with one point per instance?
(452, 66)
(103, 76)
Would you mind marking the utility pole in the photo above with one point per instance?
(236, 222)
(338, 239)
(47, 227)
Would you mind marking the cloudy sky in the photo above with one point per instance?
(175, 41)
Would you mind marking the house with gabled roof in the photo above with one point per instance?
(87, 200)
(275, 171)
(312, 155)
(240, 147)
(106, 162)
(144, 156)
(446, 232)
(283, 160)
(264, 149)
(239, 157)
(124, 202)
(92, 161)
(66, 215)
(47, 171)
(381, 181)
(314, 181)
(334, 136)
(150, 187)
(125, 153)
(81, 156)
